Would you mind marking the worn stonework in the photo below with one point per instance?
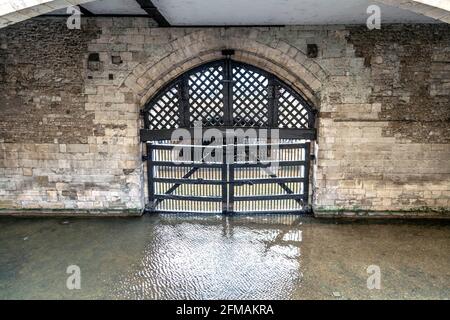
(411, 71)
(69, 131)
(43, 67)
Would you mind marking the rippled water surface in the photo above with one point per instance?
(212, 257)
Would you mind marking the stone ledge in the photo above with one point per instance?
(367, 214)
(69, 213)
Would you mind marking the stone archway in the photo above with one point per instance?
(199, 46)
(280, 58)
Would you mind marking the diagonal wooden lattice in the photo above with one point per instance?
(206, 96)
(228, 93)
(164, 113)
(291, 112)
(250, 98)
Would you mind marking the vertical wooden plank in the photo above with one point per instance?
(228, 92)
(231, 190)
(150, 176)
(307, 162)
(271, 99)
(276, 98)
(225, 203)
(185, 112)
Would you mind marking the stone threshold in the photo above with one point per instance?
(70, 213)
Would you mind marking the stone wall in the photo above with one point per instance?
(69, 129)
(388, 149)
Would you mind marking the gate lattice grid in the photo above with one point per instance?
(226, 94)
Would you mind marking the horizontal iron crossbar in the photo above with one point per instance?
(187, 164)
(188, 198)
(187, 181)
(268, 164)
(268, 180)
(270, 197)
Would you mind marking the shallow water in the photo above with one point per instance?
(217, 257)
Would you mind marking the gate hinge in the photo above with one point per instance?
(144, 158)
(142, 112)
(312, 157)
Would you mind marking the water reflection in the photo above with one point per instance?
(214, 256)
(218, 257)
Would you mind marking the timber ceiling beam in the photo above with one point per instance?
(153, 12)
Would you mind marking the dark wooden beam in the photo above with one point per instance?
(166, 134)
(86, 12)
(153, 12)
